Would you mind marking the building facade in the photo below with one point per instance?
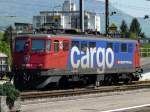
(68, 18)
(23, 27)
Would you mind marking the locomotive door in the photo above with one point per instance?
(137, 56)
(61, 53)
(56, 54)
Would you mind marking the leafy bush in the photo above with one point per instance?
(7, 89)
(132, 35)
(146, 46)
(5, 48)
(1, 35)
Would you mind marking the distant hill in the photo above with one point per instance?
(6, 21)
(22, 11)
(119, 16)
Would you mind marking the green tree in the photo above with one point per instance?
(142, 35)
(1, 35)
(6, 44)
(124, 28)
(132, 35)
(8, 34)
(113, 28)
(135, 27)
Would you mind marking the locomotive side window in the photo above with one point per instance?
(38, 45)
(65, 45)
(75, 43)
(110, 45)
(19, 46)
(123, 47)
(116, 48)
(130, 48)
(84, 46)
(48, 45)
(56, 46)
(92, 45)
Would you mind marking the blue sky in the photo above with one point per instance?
(137, 8)
(26, 9)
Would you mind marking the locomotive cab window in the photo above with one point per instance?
(38, 45)
(19, 46)
(56, 46)
(123, 47)
(65, 45)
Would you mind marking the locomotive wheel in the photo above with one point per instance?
(63, 82)
(128, 80)
(115, 79)
(20, 81)
(108, 80)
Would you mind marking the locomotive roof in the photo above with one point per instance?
(83, 37)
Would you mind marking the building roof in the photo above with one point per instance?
(42, 12)
(16, 23)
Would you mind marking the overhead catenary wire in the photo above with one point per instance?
(50, 4)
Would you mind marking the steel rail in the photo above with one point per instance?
(75, 92)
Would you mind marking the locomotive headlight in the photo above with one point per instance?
(40, 66)
(26, 65)
(26, 58)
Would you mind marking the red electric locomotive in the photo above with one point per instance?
(41, 59)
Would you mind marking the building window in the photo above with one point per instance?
(56, 46)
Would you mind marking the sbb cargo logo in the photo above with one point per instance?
(104, 58)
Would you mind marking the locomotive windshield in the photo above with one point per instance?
(38, 45)
(19, 47)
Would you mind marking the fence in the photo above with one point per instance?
(145, 52)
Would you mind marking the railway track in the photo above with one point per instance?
(75, 92)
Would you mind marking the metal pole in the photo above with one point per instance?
(82, 15)
(106, 17)
(11, 39)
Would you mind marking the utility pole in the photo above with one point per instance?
(81, 5)
(106, 17)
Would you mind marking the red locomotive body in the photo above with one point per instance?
(41, 53)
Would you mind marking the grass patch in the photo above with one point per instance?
(145, 50)
(145, 46)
